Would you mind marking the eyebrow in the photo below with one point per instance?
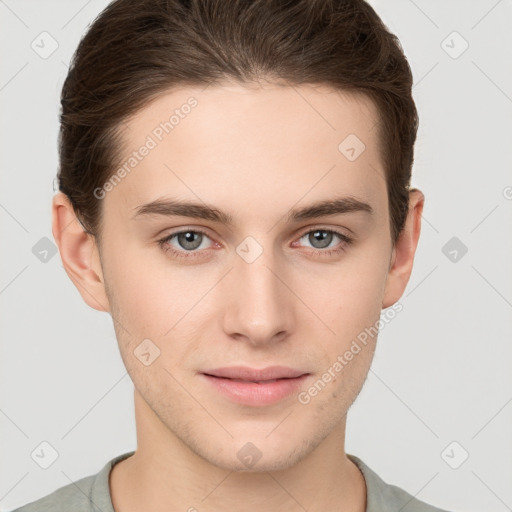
(174, 207)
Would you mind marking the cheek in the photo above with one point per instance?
(163, 303)
(139, 302)
(348, 298)
(149, 295)
(359, 305)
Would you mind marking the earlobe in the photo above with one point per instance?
(403, 253)
(79, 253)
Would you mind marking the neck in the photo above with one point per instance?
(165, 474)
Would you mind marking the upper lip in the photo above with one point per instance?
(253, 374)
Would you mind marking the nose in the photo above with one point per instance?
(259, 308)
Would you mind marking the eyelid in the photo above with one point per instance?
(331, 229)
(345, 238)
(303, 231)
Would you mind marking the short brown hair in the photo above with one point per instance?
(136, 50)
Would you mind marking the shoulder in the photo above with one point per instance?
(384, 497)
(74, 497)
(89, 494)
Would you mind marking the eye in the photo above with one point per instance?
(191, 243)
(321, 239)
(187, 241)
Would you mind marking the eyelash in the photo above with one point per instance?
(346, 241)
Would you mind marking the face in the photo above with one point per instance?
(276, 285)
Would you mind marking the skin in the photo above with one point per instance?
(255, 152)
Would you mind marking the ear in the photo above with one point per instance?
(403, 253)
(79, 253)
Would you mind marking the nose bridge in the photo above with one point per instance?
(259, 306)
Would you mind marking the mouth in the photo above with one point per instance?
(252, 387)
(251, 381)
(245, 373)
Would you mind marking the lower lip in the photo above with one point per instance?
(252, 393)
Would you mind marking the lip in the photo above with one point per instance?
(253, 374)
(254, 387)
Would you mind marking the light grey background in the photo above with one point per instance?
(442, 369)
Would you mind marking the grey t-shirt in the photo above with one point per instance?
(92, 494)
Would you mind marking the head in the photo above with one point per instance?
(255, 112)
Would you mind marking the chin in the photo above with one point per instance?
(259, 453)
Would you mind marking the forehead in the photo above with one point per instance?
(251, 146)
